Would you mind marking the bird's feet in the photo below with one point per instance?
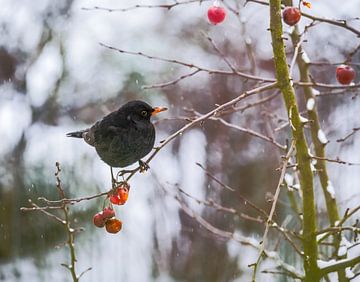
(122, 172)
(143, 166)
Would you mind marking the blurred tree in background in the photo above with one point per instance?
(56, 77)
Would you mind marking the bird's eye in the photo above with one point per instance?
(144, 113)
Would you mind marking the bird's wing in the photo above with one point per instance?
(107, 128)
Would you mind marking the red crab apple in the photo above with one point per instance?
(113, 225)
(114, 199)
(119, 195)
(108, 213)
(345, 74)
(291, 15)
(216, 14)
(123, 194)
(99, 220)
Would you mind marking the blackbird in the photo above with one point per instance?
(124, 136)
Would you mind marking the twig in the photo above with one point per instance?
(209, 203)
(172, 82)
(190, 65)
(335, 93)
(74, 200)
(246, 201)
(226, 235)
(69, 229)
(239, 239)
(35, 207)
(355, 275)
(354, 130)
(220, 53)
(340, 23)
(336, 229)
(332, 64)
(328, 86)
(337, 160)
(272, 211)
(348, 213)
(65, 222)
(250, 132)
(295, 56)
(286, 273)
(250, 105)
(340, 264)
(160, 6)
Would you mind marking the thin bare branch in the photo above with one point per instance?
(209, 203)
(35, 207)
(229, 64)
(340, 264)
(239, 239)
(354, 130)
(172, 82)
(273, 207)
(337, 160)
(66, 222)
(160, 6)
(340, 23)
(246, 201)
(74, 200)
(250, 132)
(190, 65)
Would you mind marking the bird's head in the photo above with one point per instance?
(139, 110)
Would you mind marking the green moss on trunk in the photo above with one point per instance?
(303, 159)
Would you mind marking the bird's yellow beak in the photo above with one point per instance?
(157, 110)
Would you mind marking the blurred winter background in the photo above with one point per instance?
(55, 77)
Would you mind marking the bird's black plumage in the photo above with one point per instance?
(124, 136)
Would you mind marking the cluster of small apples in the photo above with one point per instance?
(118, 196)
(107, 218)
(344, 73)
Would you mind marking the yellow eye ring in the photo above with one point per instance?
(144, 113)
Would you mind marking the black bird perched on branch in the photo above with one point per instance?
(124, 136)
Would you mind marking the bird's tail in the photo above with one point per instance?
(76, 134)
